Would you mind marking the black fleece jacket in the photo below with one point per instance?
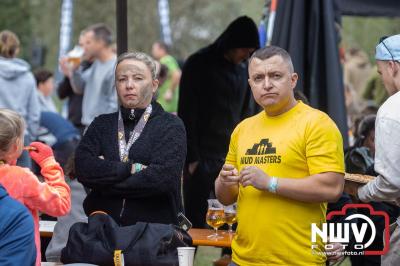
(151, 195)
(214, 94)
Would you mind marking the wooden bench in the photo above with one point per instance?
(198, 235)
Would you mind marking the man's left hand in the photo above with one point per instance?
(254, 176)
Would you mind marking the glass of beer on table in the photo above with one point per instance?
(230, 216)
(215, 217)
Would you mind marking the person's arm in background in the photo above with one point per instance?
(175, 74)
(78, 79)
(386, 186)
(52, 197)
(110, 94)
(64, 89)
(33, 110)
(93, 171)
(189, 109)
(164, 171)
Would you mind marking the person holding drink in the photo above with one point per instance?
(283, 166)
(64, 89)
(97, 82)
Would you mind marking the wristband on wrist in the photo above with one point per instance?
(273, 184)
(138, 167)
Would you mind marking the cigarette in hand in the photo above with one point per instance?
(30, 148)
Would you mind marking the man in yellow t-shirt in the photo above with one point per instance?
(282, 168)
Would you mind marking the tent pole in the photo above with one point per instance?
(122, 26)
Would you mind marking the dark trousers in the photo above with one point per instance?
(197, 188)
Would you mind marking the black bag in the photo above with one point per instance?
(144, 244)
(358, 160)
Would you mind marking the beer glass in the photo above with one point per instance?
(74, 56)
(215, 217)
(230, 216)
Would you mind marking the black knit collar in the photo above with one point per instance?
(125, 112)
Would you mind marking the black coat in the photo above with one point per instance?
(151, 195)
(214, 93)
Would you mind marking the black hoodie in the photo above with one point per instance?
(214, 93)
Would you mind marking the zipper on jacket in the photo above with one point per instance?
(122, 209)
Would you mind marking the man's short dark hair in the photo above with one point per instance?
(42, 75)
(270, 51)
(101, 32)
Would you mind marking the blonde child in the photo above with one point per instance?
(52, 196)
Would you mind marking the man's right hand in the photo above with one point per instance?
(66, 67)
(229, 175)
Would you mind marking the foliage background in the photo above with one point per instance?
(194, 24)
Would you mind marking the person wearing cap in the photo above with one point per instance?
(386, 186)
(214, 97)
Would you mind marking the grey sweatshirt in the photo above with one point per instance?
(18, 91)
(97, 85)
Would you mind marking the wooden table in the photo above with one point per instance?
(198, 235)
(200, 238)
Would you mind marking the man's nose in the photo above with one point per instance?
(267, 83)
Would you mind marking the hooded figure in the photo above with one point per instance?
(214, 97)
(18, 91)
(17, 84)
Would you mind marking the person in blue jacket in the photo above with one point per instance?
(17, 243)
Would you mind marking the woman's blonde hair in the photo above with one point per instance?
(12, 126)
(9, 44)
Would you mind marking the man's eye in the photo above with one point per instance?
(277, 76)
(258, 78)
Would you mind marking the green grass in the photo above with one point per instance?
(206, 255)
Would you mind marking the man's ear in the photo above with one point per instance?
(294, 79)
(394, 67)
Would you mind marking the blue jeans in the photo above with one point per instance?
(62, 129)
(232, 264)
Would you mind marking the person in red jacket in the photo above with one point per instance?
(51, 197)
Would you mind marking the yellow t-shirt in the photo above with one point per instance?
(274, 230)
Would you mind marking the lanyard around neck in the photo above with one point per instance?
(137, 131)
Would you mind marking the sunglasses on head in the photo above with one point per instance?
(382, 40)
